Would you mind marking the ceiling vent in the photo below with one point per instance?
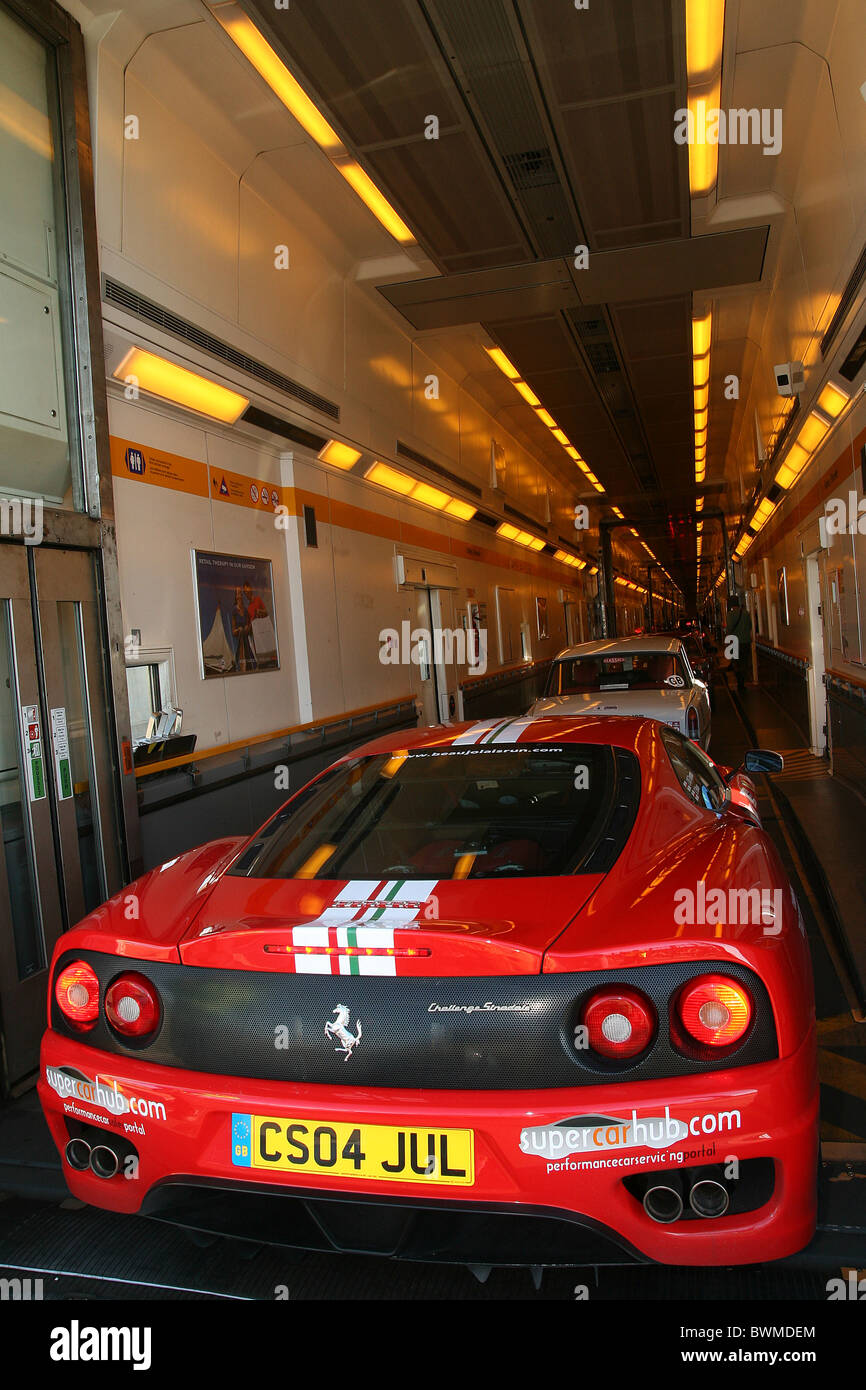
(531, 169)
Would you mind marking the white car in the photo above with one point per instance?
(649, 676)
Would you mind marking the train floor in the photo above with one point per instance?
(84, 1254)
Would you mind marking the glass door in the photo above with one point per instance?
(77, 728)
(31, 914)
(61, 847)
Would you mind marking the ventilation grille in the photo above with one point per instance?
(521, 516)
(499, 93)
(602, 357)
(274, 424)
(849, 293)
(406, 452)
(149, 312)
(531, 169)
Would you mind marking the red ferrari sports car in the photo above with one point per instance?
(519, 991)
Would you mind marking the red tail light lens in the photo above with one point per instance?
(715, 1010)
(620, 1021)
(132, 1006)
(693, 723)
(77, 994)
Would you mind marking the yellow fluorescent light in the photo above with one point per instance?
(562, 437)
(462, 510)
(812, 433)
(258, 51)
(430, 496)
(523, 538)
(562, 557)
(795, 461)
(375, 200)
(832, 400)
(633, 531)
(546, 418)
(390, 478)
(700, 420)
(701, 438)
(596, 484)
(701, 370)
(527, 393)
(498, 356)
(340, 455)
(699, 506)
(762, 515)
(535, 543)
(702, 396)
(703, 157)
(616, 511)
(160, 377)
(570, 449)
(701, 331)
(705, 28)
(507, 530)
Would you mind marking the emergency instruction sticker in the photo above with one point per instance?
(60, 739)
(33, 757)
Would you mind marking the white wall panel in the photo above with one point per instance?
(187, 234)
(300, 310)
(378, 369)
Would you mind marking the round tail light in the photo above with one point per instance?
(620, 1021)
(715, 1010)
(77, 994)
(132, 1006)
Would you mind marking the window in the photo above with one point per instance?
(150, 686)
(474, 813)
(697, 775)
(619, 671)
(38, 434)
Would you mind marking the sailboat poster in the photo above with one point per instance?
(235, 606)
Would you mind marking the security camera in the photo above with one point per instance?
(790, 379)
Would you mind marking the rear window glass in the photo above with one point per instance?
(617, 671)
(454, 813)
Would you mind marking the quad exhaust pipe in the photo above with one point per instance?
(77, 1153)
(709, 1198)
(99, 1158)
(663, 1201)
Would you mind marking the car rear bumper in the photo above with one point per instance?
(176, 1129)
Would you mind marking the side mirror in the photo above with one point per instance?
(762, 760)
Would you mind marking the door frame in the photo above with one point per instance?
(816, 608)
(91, 528)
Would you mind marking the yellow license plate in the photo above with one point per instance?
(334, 1149)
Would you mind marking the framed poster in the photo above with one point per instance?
(235, 613)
